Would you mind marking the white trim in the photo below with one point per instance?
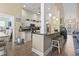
(41, 53)
(13, 27)
(37, 52)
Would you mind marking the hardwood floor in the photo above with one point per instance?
(20, 50)
(25, 49)
(67, 50)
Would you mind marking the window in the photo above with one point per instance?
(2, 23)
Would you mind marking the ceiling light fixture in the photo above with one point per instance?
(24, 6)
(38, 12)
(70, 21)
(50, 14)
(57, 19)
(54, 17)
(48, 8)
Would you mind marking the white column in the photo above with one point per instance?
(43, 23)
(13, 27)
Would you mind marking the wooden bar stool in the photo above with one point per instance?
(57, 42)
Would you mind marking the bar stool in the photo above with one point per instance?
(57, 42)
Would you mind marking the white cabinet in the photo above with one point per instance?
(26, 35)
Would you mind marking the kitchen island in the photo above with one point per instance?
(25, 33)
(41, 43)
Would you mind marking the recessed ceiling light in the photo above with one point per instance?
(57, 19)
(48, 8)
(24, 6)
(54, 17)
(70, 21)
(38, 12)
(50, 14)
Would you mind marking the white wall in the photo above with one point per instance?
(53, 23)
(77, 16)
(70, 10)
(70, 16)
(12, 9)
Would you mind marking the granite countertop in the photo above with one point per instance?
(50, 35)
(45, 34)
(27, 28)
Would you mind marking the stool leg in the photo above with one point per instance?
(58, 47)
(61, 43)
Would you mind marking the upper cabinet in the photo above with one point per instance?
(29, 17)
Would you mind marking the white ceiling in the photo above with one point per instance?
(36, 7)
(48, 8)
(70, 10)
(33, 7)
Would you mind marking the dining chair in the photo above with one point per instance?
(3, 50)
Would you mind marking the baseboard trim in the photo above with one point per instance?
(41, 53)
(37, 52)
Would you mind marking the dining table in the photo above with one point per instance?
(3, 35)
